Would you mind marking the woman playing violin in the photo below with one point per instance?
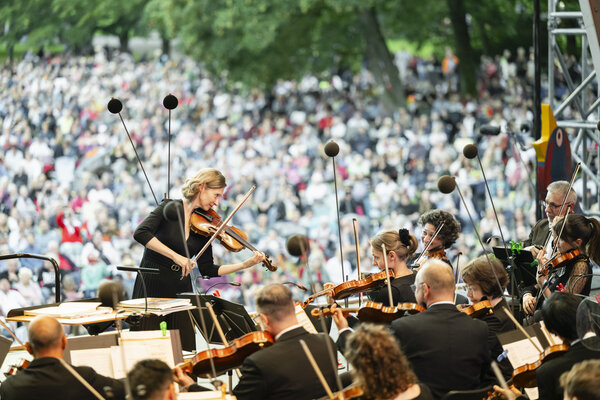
(380, 366)
(399, 246)
(482, 285)
(579, 239)
(446, 237)
(165, 250)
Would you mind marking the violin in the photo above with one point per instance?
(229, 357)
(525, 375)
(350, 392)
(375, 312)
(233, 239)
(346, 289)
(477, 310)
(438, 253)
(561, 260)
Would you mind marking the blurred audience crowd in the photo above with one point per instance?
(72, 189)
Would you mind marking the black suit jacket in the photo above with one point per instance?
(539, 233)
(447, 349)
(548, 374)
(282, 371)
(46, 378)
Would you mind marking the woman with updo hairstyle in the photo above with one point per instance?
(573, 275)
(447, 236)
(399, 245)
(380, 367)
(165, 250)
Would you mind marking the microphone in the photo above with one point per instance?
(489, 130)
(332, 149)
(111, 293)
(170, 102)
(139, 269)
(115, 106)
(470, 151)
(221, 283)
(44, 258)
(298, 285)
(446, 184)
(297, 245)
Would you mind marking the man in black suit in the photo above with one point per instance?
(562, 317)
(47, 376)
(447, 349)
(282, 370)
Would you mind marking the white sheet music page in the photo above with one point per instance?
(141, 345)
(99, 359)
(304, 320)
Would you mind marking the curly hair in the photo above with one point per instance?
(404, 246)
(479, 272)
(379, 364)
(449, 232)
(210, 177)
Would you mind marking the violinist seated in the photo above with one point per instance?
(152, 380)
(380, 368)
(447, 349)
(282, 370)
(574, 321)
(47, 378)
(567, 271)
(482, 287)
(436, 244)
(541, 233)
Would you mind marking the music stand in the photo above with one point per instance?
(5, 344)
(232, 317)
(520, 271)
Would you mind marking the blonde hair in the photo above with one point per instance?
(209, 177)
(404, 246)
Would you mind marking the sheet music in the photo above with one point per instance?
(532, 393)
(303, 319)
(99, 359)
(141, 345)
(522, 351)
(213, 395)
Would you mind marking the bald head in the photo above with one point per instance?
(438, 278)
(45, 335)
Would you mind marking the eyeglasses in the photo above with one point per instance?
(549, 204)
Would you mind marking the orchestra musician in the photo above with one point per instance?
(541, 233)
(447, 236)
(47, 377)
(580, 238)
(447, 349)
(560, 314)
(399, 246)
(164, 248)
(380, 367)
(482, 285)
(282, 370)
(152, 379)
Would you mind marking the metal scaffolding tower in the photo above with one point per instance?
(583, 96)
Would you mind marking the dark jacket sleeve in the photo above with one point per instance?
(107, 387)
(252, 384)
(148, 227)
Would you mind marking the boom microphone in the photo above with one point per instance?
(170, 102)
(446, 184)
(489, 130)
(114, 105)
(470, 151)
(332, 149)
(297, 245)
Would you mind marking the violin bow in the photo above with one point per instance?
(387, 272)
(437, 231)
(224, 224)
(355, 226)
(313, 363)
(555, 245)
(520, 327)
(562, 206)
(11, 332)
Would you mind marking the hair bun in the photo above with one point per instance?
(404, 236)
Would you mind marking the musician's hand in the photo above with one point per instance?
(182, 378)
(257, 258)
(326, 286)
(529, 303)
(185, 263)
(503, 394)
(338, 317)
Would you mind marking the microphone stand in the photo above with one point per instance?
(139, 272)
(40, 257)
